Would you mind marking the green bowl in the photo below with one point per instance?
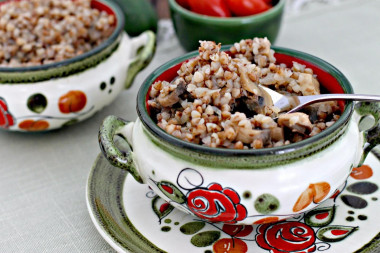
(192, 27)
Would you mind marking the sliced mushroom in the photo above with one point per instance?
(321, 111)
(277, 134)
(298, 122)
(173, 97)
(260, 97)
(247, 83)
(264, 136)
(247, 135)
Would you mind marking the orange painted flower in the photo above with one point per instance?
(314, 193)
(32, 125)
(267, 220)
(229, 245)
(362, 172)
(73, 101)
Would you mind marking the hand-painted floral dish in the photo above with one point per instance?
(244, 186)
(45, 97)
(132, 218)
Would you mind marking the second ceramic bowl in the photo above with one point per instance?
(191, 27)
(40, 98)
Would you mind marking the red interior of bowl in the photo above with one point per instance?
(327, 81)
(102, 7)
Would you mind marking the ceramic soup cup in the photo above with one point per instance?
(50, 96)
(244, 186)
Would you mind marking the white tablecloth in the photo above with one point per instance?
(43, 176)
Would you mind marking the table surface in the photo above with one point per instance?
(43, 176)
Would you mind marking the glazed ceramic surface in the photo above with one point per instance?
(191, 27)
(133, 218)
(243, 186)
(54, 95)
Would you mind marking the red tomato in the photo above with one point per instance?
(183, 3)
(216, 8)
(247, 7)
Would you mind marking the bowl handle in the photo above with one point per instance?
(145, 46)
(110, 127)
(371, 135)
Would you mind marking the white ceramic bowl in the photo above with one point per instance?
(50, 96)
(244, 186)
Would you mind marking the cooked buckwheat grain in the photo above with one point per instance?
(36, 32)
(215, 100)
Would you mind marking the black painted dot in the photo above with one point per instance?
(103, 85)
(176, 223)
(109, 92)
(112, 80)
(37, 103)
(350, 218)
(363, 188)
(354, 201)
(166, 229)
(351, 212)
(247, 194)
(208, 251)
(362, 217)
(374, 198)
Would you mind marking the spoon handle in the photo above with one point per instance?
(307, 100)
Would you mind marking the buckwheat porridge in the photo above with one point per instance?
(215, 100)
(36, 32)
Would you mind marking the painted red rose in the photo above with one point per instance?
(6, 118)
(229, 245)
(291, 237)
(216, 204)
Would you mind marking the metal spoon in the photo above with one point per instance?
(295, 103)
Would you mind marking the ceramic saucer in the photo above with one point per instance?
(132, 218)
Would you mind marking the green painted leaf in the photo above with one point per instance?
(192, 227)
(70, 122)
(335, 233)
(205, 239)
(161, 208)
(320, 217)
(171, 191)
(266, 203)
